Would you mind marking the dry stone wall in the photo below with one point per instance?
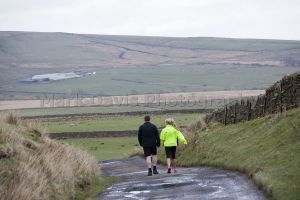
(281, 96)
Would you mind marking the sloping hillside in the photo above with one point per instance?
(267, 149)
(139, 65)
(32, 49)
(32, 166)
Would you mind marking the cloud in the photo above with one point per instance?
(222, 18)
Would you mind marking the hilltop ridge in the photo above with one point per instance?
(41, 49)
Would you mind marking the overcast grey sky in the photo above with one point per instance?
(274, 19)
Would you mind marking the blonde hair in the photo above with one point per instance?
(171, 121)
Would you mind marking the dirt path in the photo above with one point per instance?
(188, 183)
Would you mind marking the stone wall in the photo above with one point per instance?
(283, 95)
(92, 134)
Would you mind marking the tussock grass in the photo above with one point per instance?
(32, 166)
(11, 118)
(266, 149)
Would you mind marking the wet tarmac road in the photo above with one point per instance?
(188, 183)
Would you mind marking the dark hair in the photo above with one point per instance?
(147, 118)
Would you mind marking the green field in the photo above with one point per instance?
(112, 109)
(143, 80)
(110, 148)
(106, 148)
(267, 149)
(111, 123)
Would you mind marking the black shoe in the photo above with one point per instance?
(149, 172)
(155, 171)
(169, 171)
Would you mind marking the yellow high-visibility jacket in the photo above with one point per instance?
(169, 136)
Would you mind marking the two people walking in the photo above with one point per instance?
(149, 139)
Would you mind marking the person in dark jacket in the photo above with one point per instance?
(148, 137)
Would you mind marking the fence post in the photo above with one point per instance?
(281, 108)
(297, 92)
(235, 114)
(265, 105)
(249, 111)
(225, 115)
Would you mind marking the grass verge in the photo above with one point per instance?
(97, 185)
(32, 166)
(266, 149)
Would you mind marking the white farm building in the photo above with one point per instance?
(45, 78)
(55, 76)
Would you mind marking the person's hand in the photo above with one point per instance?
(185, 142)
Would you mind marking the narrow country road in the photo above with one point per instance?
(188, 183)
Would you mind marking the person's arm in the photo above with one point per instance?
(181, 137)
(162, 135)
(140, 136)
(157, 137)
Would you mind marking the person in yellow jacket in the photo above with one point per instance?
(170, 136)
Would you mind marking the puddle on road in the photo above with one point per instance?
(161, 185)
(189, 183)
